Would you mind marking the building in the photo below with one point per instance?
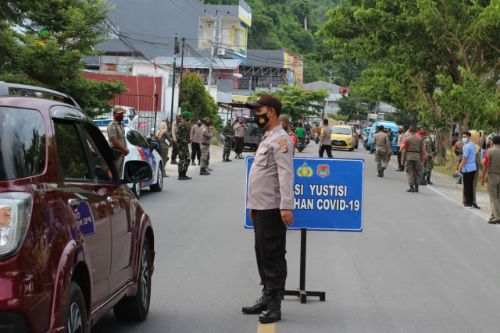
(141, 43)
(267, 70)
(335, 94)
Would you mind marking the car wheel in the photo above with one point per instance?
(158, 186)
(76, 313)
(136, 308)
(136, 188)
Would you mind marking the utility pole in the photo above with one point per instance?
(182, 70)
(176, 51)
(215, 47)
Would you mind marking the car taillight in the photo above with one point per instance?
(15, 216)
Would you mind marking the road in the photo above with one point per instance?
(422, 264)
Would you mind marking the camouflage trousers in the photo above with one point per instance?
(205, 153)
(183, 157)
(228, 144)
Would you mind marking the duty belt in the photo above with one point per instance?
(206, 144)
(413, 151)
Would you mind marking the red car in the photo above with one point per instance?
(74, 240)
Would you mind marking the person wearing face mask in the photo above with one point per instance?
(195, 142)
(468, 169)
(271, 203)
(116, 137)
(286, 124)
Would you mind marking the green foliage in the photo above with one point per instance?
(197, 100)
(352, 108)
(437, 58)
(53, 58)
(296, 102)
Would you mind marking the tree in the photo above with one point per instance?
(435, 58)
(197, 100)
(43, 42)
(296, 102)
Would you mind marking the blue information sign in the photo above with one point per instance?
(328, 194)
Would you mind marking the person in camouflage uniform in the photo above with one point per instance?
(228, 134)
(430, 148)
(182, 145)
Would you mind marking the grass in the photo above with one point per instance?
(450, 166)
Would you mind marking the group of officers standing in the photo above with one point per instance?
(416, 151)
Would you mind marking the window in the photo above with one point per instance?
(135, 138)
(341, 130)
(100, 168)
(22, 143)
(74, 164)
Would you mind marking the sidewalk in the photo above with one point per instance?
(447, 187)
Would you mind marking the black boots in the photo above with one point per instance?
(204, 172)
(380, 173)
(411, 189)
(183, 176)
(259, 306)
(268, 306)
(225, 158)
(273, 312)
(429, 179)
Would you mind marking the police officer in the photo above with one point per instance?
(206, 138)
(182, 138)
(116, 137)
(271, 201)
(383, 150)
(413, 155)
(492, 168)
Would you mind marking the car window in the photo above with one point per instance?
(22, 143)
(72, 157)
(341, 130)
(138, 139)
(100, 168)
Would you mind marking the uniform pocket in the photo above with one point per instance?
(261, 157)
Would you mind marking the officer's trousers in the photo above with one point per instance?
(239, 143)
(270, 248)
(195, 151)
(205, 154)
(382, 159)
(412, 172)
(494, 194)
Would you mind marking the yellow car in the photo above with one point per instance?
(342, 137)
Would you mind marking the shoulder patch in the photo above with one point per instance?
(283, 145)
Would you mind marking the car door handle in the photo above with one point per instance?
(73, 202)
(111, 200)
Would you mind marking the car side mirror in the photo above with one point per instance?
(137, 172)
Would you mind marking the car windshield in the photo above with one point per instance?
(341, 130)
(22, 143)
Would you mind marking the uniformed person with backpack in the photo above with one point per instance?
(271, 202)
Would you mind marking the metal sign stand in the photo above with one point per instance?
(302, 293)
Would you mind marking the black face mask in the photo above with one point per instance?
(199, 124)
(261, 120)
